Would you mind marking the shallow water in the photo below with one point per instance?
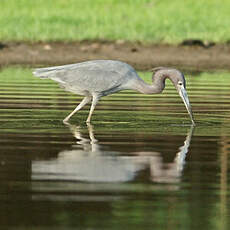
(141, 165)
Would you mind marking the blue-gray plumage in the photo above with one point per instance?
(94, 79)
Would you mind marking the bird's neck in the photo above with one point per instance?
(157, 86)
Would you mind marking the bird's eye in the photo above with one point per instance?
(180, 83)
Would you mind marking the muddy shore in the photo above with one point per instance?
(194, 57)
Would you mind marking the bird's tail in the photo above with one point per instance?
(44, 72)
(40, 73)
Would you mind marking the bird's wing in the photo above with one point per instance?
(54, 70)
(97, 65)
(91, 79)
(92, 75)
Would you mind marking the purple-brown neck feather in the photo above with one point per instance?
(158, 80)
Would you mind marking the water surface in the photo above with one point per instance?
(140, 165)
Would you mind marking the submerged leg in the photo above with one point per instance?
(94, 102)
(82, 103)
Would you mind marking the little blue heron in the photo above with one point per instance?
(94, 79)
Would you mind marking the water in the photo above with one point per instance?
(141, 165)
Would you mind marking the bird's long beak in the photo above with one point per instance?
(183, 94)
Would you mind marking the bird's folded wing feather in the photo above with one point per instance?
(91, 75)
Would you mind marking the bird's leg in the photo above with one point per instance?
(94, 102)
(82, 103)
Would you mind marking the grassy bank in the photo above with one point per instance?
(135, 20)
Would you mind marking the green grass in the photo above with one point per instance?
(153, 21)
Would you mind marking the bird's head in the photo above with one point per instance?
(178, 80)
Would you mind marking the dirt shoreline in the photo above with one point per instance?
(196, 57)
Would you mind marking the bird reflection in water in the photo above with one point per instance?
(88, 162)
